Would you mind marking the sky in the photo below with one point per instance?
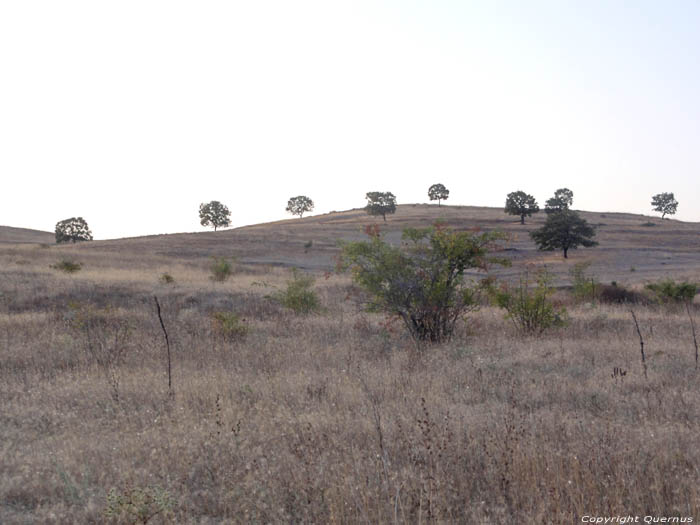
(132, 113)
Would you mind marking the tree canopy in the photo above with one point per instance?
(74, 229)
(438, 192)
(665, 203)
(521, 204)
(215, 214)
(299, 205)
(562, 200)
(380, 203)
(565, 230)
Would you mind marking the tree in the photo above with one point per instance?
(438, 192)
(562, 200)
(664, 203)
(422, 281)
(564, 231)
(299, 205)
(521, 204)
(380, 203)
(214, 213)
(74, 229)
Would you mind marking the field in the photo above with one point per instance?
(338, 417)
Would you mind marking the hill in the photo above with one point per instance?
(632, 248)
(8, 234)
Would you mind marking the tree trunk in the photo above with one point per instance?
(384, 216)
(522, 219)
(215, 227)
(566, 251)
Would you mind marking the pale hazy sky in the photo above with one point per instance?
(131, 113)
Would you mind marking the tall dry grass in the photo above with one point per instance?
(328, 418)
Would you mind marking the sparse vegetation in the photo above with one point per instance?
(670, 291)
(74, 229)
(521, 204)
(67, 266)
(214, 214)
(380, 203)
(221, 269)
(229, 326)
(585, 287)
(166, 278)
(299, 295)
(134, 505)
(338, 417)
(529, 304)
(300, 205)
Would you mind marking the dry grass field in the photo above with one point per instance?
(338, 417)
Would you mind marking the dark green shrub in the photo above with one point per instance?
(221, 269)
(529, 305)
(229, 326)
(669, 291)
(67, 266)
(166, 278)
(299, 296)
(423, 281)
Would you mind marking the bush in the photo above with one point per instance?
(530, 308)
(669, 291)
(166, 278)
(298, 296)
(616, 294)
(221, 269)
(423, 281)
(67, 266)
(585, 287)
(229, 326)
(138, 504)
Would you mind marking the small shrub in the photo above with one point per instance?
(229, 326)
(67, 266)
(298, 296)
(669, 291)
(166, 278)
(617, 294)
(221, 269)
(138, 505)
(648, 224)
(585, 287)
(530, 307)
(308, 245)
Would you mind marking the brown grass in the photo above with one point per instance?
(328, 418)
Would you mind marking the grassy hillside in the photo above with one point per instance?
(336, 416)
(12, 235)
(632, 248)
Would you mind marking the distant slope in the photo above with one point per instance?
(632, 247)
(8, 234)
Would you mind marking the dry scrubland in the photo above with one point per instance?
(337, 416)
